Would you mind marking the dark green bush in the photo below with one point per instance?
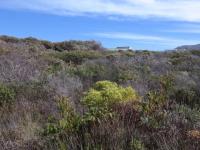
(77, 57)
(9, 39)
(137, 144)
(7, 95)
(47, 44)
(195, 52)
(55, 67)
(187, 97)
(91, 72)
(178, 57)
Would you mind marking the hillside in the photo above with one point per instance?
(30, 42)
(189, 47)
(78, 95)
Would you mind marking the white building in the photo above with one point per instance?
(124, 48)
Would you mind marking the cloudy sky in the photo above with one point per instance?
(142, 24)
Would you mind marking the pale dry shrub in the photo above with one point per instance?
(17, 67)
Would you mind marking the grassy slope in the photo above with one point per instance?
(41, 73)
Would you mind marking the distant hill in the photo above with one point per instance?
(8, 41)
(189, 47)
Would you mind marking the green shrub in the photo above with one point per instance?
(137, 144)
(9, 39)
(47, 44)
(179, 57)
(51, 128)
(187, 97)
(125, 75)
(7, 95)
(155, 100)
(90, 71)
(69, 118)
(77, 57)
(157, 97)
(55, 67)
(77, 45)
(193, 115)
(128, 53)
(195, 52)
(3, 50)
(104, 95)
(68, 121)
(166, 82)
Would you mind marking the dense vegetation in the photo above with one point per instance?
(77, 95)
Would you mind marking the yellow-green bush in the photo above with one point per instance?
(104, 95)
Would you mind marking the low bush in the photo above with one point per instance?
(195, 52)
(109, 110)
(9, 39)
(187, 97)
(55, 67)
(77, 45)
(77, 57)
(7, 95)
(100, 99)
(137, 144)
(125, 75)
(68, 121)
(192, 115)
(91, 72)
(69, 118)
(154, 101)
(178, 58)
(47, 44)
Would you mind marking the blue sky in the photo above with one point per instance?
(141, 24)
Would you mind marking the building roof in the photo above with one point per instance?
(124, 47)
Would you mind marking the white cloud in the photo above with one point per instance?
(146, 38)
(129, 36)
(141, 1)
(184, 10)
(185, 28)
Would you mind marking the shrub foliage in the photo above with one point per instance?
(73, 95)
(6, 95)
(100, 99)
